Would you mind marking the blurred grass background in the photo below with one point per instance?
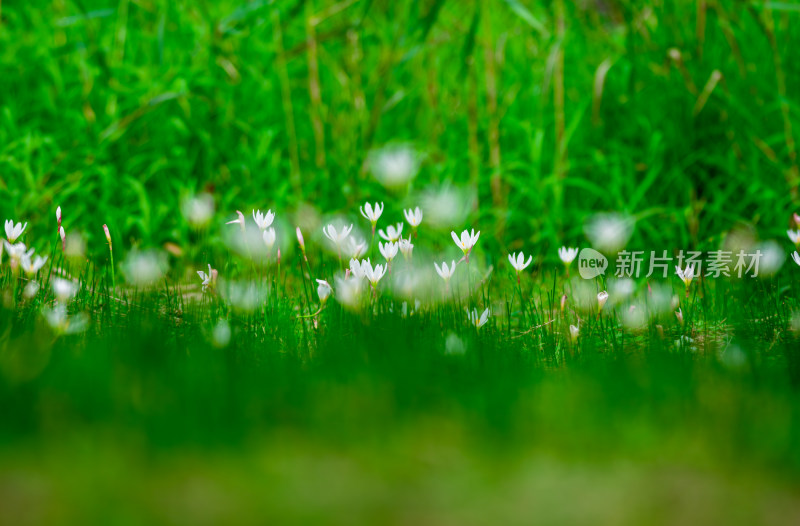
(679, 112)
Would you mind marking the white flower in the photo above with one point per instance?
(244, 296)
(58, 215)
(356, 269)
(355, 248)
(108, 236)
(574, 330)
(32, 266)
(198, 210)
(17, 251)
(478, 321)
(348, 291)
(394, 166)
(679, 316)
(64, 289)
(414, 217)
(221, 335)
(13, 231)
(145, 267)
(323, 290)
(209, 279)
(686, 275)
(61, 323)
(374, 275)
(567, 255)
(337, 236)
(388, 250)
(63, 235)
(518, 261)
(406, 247)
(239, 220)
(31, 289)
(796, 257)
(393, 232)
(373, 214)
(269, 237)
(602, 297)
(609, 232)
(264, 221)
(444, 272)
(794, 236)
(466, 242)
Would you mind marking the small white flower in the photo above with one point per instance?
(357, 269)
(239, 220)
(373, 214)
(13, 231)
(64, 289)
(388, 250)
(392, 233)
(210, 279)
(414, 217)
(108, 236)
(446, 272)
(567, 255)
(221, 335)
(355, 248)
(32, 266)
(466, 242)
(348, 291)
(518, 261)
(574, 331)
(323, 290)
(61, 323)
(264, 221)
(63, 236)
(602, 298)
(406, 247)
(17, 251)
(609, 232)
(478, 321)
(244, 296)
(144, 267)
(337, 236)
(796, 257)
(394, 166)
(198, 210)
(58, 215)
(31, 289)
(679, 315)
(269, 237)
(686, 275)
(374, 275)
(794, 236)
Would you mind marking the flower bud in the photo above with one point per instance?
(108, 235)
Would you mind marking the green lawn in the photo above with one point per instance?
(130, 393)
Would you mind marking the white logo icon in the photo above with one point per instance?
(591, 263)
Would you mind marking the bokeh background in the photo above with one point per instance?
(680, 113)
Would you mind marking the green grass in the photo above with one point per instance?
(682, 117)
(115, 111)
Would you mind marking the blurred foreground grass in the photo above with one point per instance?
(142, 420)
